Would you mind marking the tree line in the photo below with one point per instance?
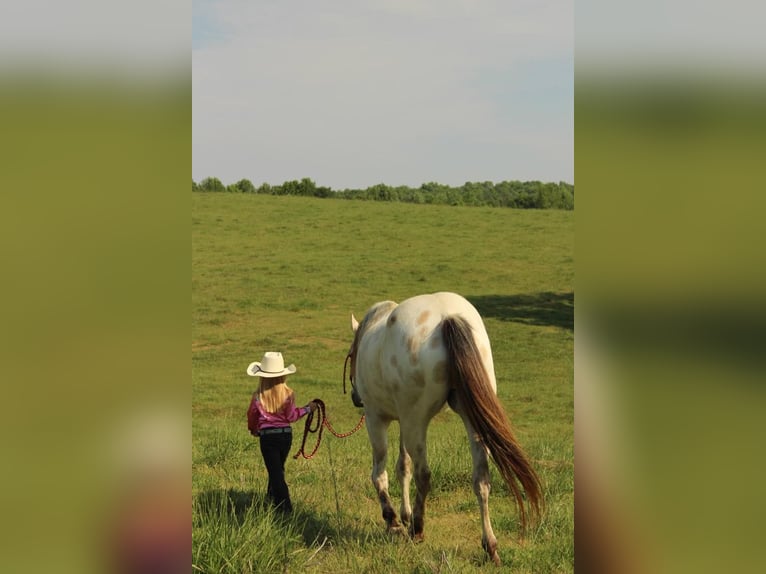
(514, 194)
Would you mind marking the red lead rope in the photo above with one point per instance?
(321, 422)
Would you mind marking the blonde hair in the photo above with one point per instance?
(274, 393)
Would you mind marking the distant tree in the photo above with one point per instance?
(405, 194)
(562, 196)
(453, 196)
(354, 194)
(429, 191)
(434, 187)
(212, 184)
(323, 192)
(294, 187)
(567, 194)
(512, 194)
(472, 194)
(287, 188)
(382, 192)
(546, 196)
(306, 186)
(244, 186)
(345, 194)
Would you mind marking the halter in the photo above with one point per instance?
(350, 357)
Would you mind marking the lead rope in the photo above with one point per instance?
(334, 485)
(321, 422)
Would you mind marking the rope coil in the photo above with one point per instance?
(319, 425)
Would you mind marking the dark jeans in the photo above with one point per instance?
(275, 448)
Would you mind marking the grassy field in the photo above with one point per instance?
(285, 273)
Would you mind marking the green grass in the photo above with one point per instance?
(285, 273)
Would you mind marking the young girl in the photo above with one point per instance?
(271, 411)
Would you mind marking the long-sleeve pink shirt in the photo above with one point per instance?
(258, 418)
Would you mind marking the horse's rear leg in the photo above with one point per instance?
(481, 482)
(481, 487)
(404, 474)
(377, 431)
(415, 445)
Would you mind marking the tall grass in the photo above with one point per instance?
(285, 273)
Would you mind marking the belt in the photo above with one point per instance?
(275, 430)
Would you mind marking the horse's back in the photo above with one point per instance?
(442, 304)
(421, 316)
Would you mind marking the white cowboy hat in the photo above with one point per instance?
(272, 365)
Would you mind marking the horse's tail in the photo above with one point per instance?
(467, 375)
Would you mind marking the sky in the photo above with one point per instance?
(352, 93)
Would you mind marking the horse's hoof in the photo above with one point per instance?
(417, 536)
(491, 550)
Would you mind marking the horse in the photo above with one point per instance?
(406, 361)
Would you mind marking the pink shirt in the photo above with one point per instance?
(258, 418)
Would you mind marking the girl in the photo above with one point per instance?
(271, 411)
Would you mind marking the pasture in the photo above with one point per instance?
(285, 273)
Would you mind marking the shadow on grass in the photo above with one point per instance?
(544, 309)
(241, 506)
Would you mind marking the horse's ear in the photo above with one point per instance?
(354, 323)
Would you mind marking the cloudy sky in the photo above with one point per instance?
(356, 92)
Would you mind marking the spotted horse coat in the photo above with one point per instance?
(408, 360)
